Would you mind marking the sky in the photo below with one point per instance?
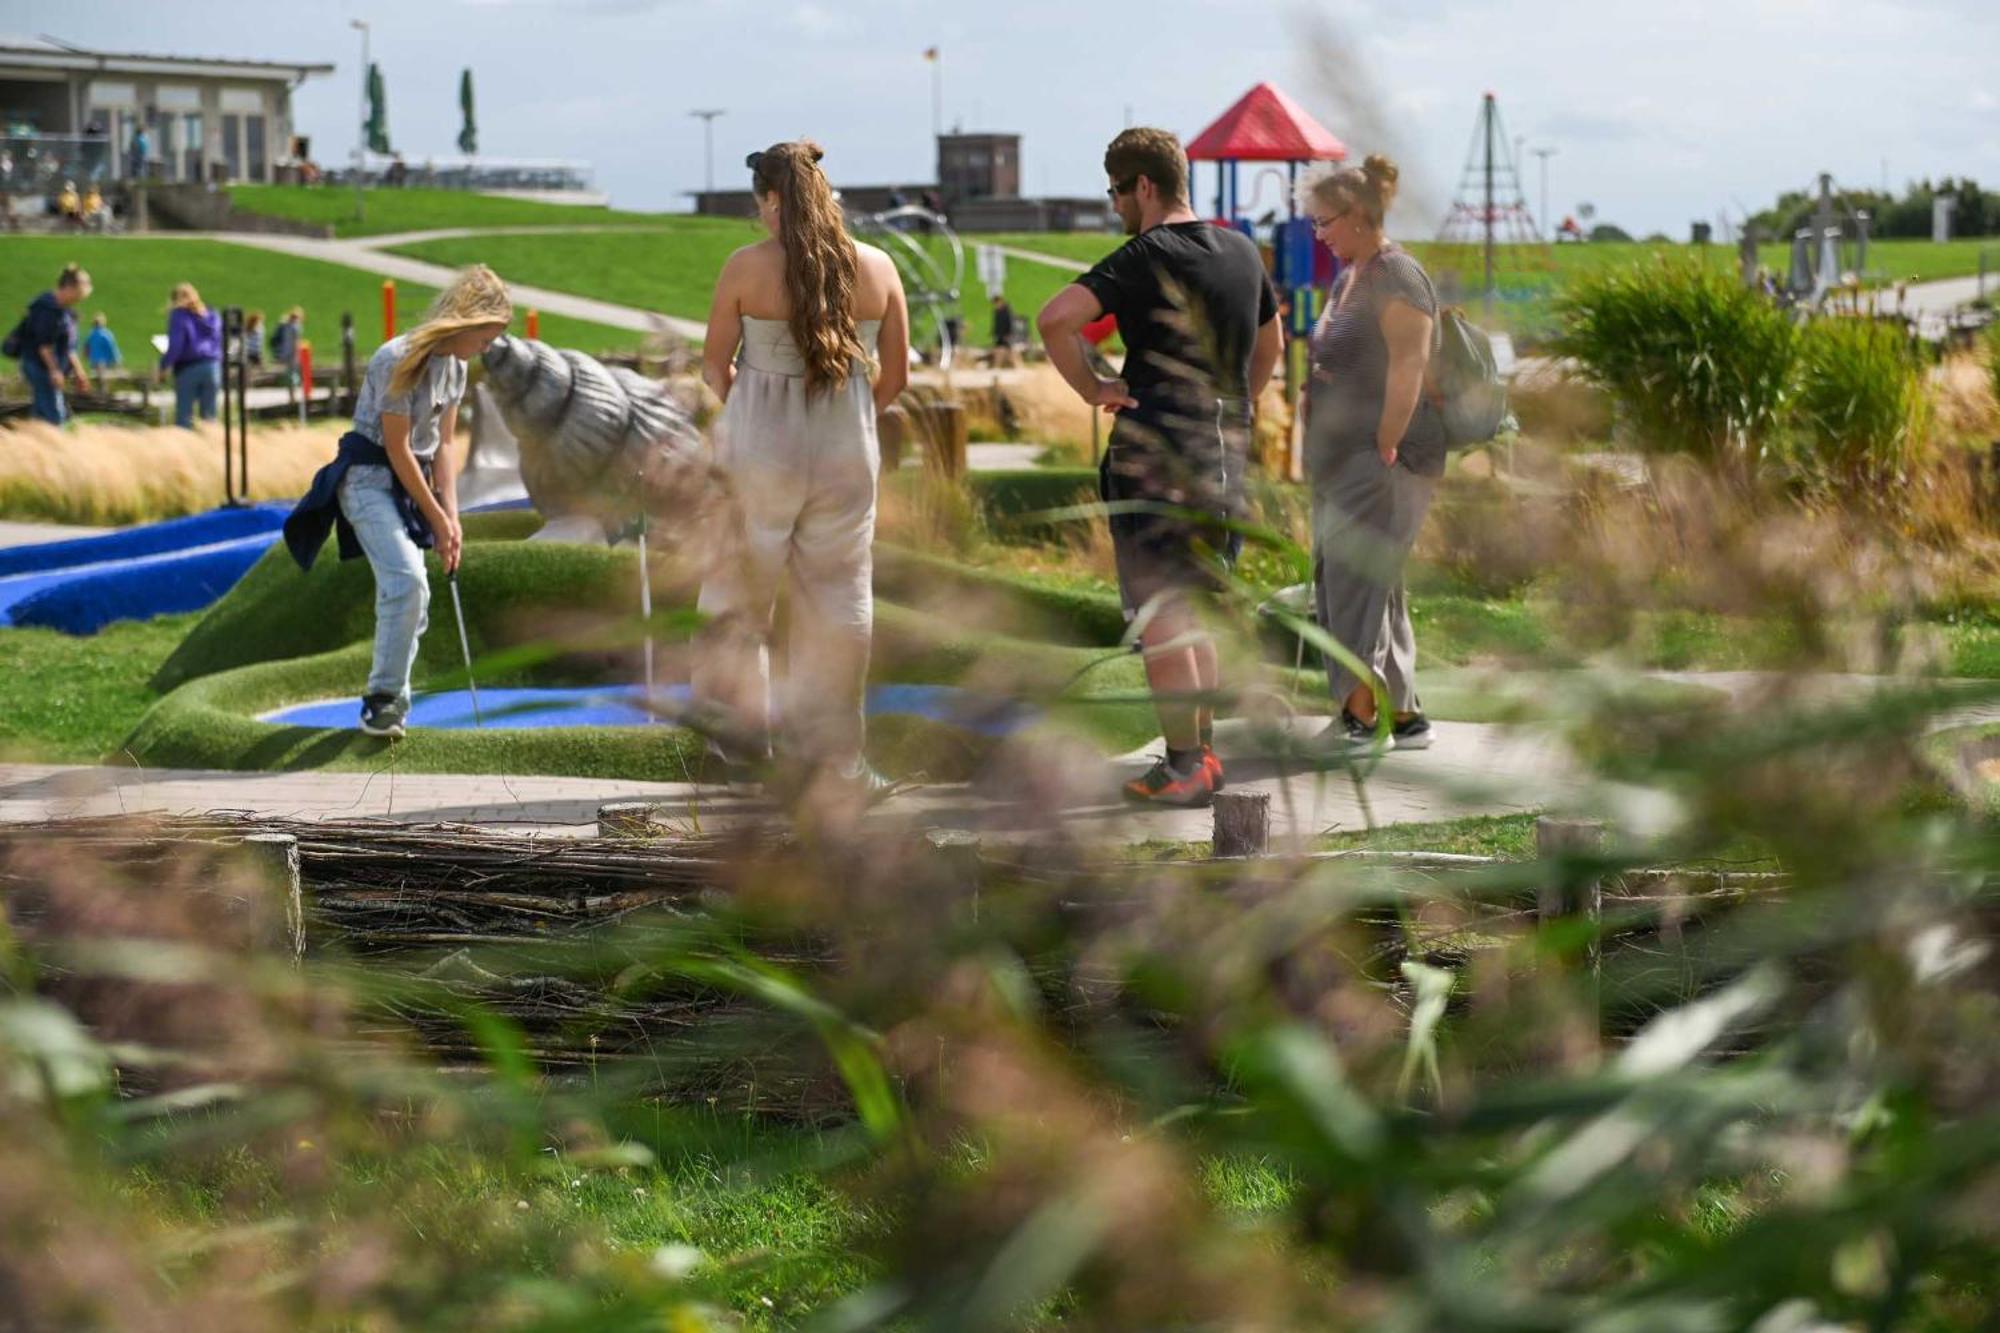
(1657, 114)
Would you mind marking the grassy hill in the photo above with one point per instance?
(389, 211)
(672, 268)
(132, 277)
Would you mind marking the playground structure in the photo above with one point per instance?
(1490, 206)
(1268, 128)
(913, 237)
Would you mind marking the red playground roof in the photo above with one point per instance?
(1266, 126)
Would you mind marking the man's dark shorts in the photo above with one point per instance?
(1192, 466)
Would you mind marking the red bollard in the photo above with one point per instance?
(534, 324)
(388, 309)
(305, 374)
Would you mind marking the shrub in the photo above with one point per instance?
(1992, 340)
(1860, 401)
(1701, 364)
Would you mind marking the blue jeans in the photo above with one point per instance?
(402, 590)
(196, 382)
(49, 404)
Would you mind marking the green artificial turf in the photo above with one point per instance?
(131, 277)
(69, 698)
(417, 209)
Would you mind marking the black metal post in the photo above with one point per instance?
(235, 409)
(347, 361)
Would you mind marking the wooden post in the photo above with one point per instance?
(892, 434)
(1242, 823)
(277, 854)
(348, 380)
(949, 432)
(956, 853)
(1558, 840)
(626, 819)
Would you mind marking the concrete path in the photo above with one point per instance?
(34, 534)
(1474, 769)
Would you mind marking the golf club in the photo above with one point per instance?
(465, 646)
(646, 613)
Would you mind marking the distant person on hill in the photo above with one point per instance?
(45, 341)
(253, 337)
(392, 491)
(193, 356)
(1006, 328)
(142, 151)
(100, 349)
(1200, 324)
(285, 341)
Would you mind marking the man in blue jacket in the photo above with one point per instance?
(47, 345)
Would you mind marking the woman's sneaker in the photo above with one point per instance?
(1349, 735)
(1163, 784)
(1412, 733)
(384, 715)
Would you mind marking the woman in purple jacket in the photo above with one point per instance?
(193, 355)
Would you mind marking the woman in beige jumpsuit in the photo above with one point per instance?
(808, 339)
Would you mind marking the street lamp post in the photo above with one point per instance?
(707, 119)
(361, 126)
(1545, 154)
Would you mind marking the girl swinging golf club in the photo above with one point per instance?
(392, 491)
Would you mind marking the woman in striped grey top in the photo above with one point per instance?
(1375, 447)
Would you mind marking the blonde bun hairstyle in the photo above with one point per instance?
(1370, 187)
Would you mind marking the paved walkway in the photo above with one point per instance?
(1474, 769)
(34, 534)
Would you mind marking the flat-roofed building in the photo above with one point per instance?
(69, 113)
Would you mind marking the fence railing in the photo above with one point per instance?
(40, 163)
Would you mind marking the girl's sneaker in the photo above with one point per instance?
(384, 715)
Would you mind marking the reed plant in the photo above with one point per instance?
(1861, 408)
(1701, 364)
(99, 474)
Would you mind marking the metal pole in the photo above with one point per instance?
(707, 119)
(937, 96)
(1492, 125)
(1548, 223)
(646, 613)
(361, 131)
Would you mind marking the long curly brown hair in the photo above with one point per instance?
(822, 268)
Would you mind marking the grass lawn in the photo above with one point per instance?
(131, 277)
(673, 269)
(416, 209)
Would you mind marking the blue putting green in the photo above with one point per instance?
(623, 706)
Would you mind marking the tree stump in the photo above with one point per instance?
(1561, 840)
(1242, 823)
(277, 855)
(626, 819)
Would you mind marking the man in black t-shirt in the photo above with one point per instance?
(1200, 325)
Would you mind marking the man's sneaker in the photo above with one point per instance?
(1163, 785)
(1349, 735)
(1412, 733)
(1213, 762)
(383, 715)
